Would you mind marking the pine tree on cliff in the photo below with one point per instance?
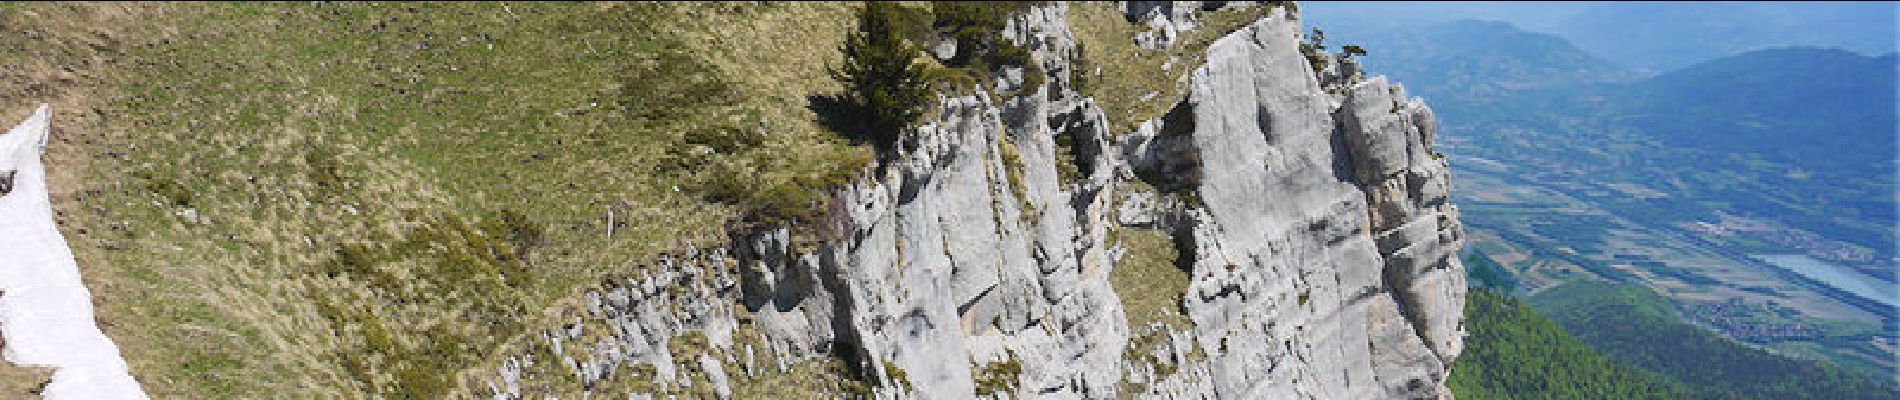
(883, 80)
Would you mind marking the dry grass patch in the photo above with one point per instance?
(1134, 84)
(1148, 280)
(1151, 286)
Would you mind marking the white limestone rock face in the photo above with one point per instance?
(957, 269)
(1326, 234)
(1416, 228)
(1313, 220)
(966, 252)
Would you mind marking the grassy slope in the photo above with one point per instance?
(295, 130)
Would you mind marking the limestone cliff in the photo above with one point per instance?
(1306, 209)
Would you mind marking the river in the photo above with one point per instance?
(1846, 280)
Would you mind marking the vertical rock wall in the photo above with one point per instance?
(1317, 239)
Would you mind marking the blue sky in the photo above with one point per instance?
(1647, 36)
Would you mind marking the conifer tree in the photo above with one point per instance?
(883, 79)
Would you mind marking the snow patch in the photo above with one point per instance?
(45, 312)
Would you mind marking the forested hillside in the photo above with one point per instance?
(1515, 353)
(1632, 325)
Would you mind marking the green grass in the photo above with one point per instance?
(1068, 169)
(976, 27)
(998, 379)
(1013, 176)
(1147, 280)
(815, 379)
(403, 141)
(1151, 287)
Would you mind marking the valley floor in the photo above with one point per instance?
(1549, 234)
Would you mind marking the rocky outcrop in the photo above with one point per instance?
(1166, 20)
(1311, 220)
(1323, 232)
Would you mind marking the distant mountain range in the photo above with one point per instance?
(1829, 108)
(1470, 58)
(1662, 36)
(1647, 37)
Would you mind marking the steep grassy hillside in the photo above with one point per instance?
(327, 199)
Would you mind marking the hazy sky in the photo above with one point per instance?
(1647, 36)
